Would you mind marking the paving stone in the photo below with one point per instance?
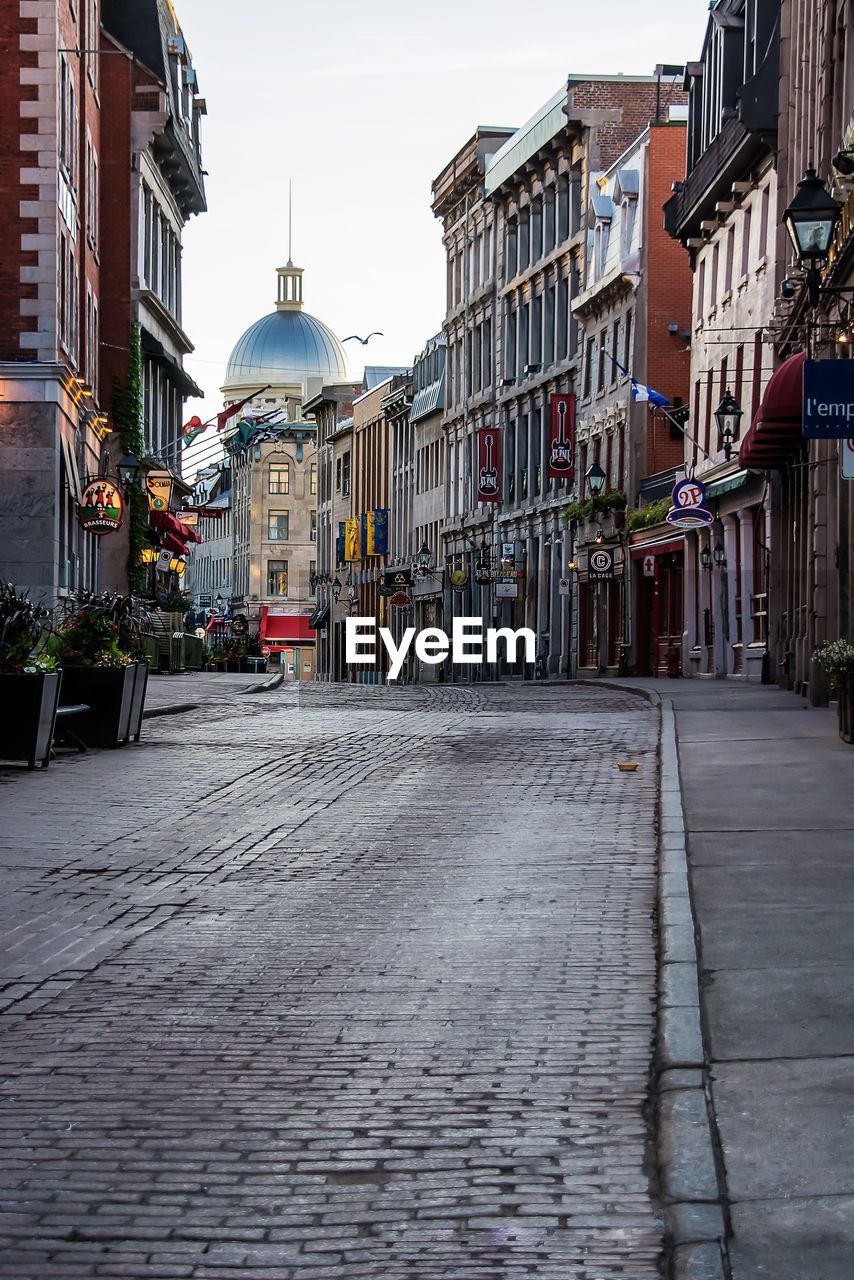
(335, 982)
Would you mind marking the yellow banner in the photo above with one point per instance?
(352, 539)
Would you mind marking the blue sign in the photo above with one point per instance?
(828, 399)
(688, 511)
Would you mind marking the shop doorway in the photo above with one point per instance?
(660, 616)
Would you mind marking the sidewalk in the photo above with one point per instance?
(768, 793)
(171, 693)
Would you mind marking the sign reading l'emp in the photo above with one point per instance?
(828, 399)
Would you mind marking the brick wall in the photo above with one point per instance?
(116, 222)
(669, 290)
(15, 31)
(617, 112)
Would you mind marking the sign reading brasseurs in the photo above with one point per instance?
(828, 399)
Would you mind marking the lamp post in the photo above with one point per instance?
(728, 416)
(811, 220)
(705, 557)
(128, 468)
(424, 560)
(335, 591)
(595, 479)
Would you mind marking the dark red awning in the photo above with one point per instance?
(165, 522)
(174, 544)
(776, 434)
(285, 628)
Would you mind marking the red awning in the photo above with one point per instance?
(285, 628)
(776, 433)
(174, 544)
(663, 547)
(165, 522)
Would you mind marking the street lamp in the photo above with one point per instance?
(728, 415)
(219, 602)
(595, 478)
(337, 584)
(719, 554)
(424, 559)
(706, 558)
(128, 468)
(600, 537)
(811, 220)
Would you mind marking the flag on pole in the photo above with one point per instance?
(194, 428)
(232, 409)
(642, 394)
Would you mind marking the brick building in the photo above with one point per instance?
(634, 313)
(51, 417)
(91, 223)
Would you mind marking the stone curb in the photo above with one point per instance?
(174, 709)
(693, 1207)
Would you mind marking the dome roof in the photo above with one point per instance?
(288, 345)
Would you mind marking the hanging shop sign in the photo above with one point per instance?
(562, 441)
(828, 399)
(101, 507)
(459, 576)
(394, 580)
(239, 626)
(564, 586)
(689, 510)
(488, 464)
(506, 590)
(376, 532)
(400, 600)
(847, 451)
(483, 573)
(600, 565)
(164, 561)
(158, 485)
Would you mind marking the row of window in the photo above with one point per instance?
(211, 572)
(161, 254)
(428, 466)
(715, 273)
(539, 332)
(279, 478)
(278, 526)
(604, 353)
(545, 223)
(470, 266)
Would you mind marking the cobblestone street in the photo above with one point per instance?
(335, 982)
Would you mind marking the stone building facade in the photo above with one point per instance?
(511, 206)
(725, 213)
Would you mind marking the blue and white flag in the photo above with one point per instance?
(642, 393)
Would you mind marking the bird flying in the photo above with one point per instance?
(354, 337)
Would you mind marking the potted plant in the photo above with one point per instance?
(99, 645)
(836, 659)
(216, 659)
(29, 680)
(232, 657)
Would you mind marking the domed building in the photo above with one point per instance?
(289, 352)
(278, 363)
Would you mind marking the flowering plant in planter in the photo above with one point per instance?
(99, 631)
(836, 658)
(24, 626)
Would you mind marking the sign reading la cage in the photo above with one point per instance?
(101, 507)
(562, 441)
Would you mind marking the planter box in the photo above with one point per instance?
(109, 694)
(232, 664)
(28, 716)
(845, 706)
(137, 705)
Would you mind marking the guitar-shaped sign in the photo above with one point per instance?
(487, 483)
(560, 455)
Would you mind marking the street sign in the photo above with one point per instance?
(600, 565)
(828, 399)
(506, 590)
(564, 586)
(846, 448)
(649, 566)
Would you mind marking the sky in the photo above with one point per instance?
(360, 105)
